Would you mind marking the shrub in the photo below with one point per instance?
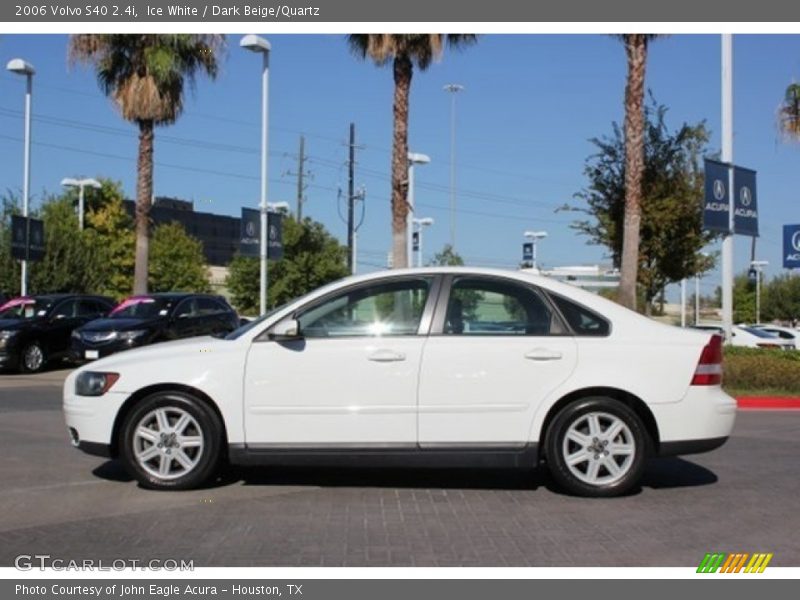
(753, 370)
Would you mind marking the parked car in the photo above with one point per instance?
(787, 334)
(36, 329)
(748, 336)
(143, 320)
(417, 367)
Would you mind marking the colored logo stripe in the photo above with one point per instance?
(733, 563)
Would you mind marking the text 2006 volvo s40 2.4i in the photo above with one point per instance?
(419, 367)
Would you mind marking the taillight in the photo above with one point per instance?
(709, 367)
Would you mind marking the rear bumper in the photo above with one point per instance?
(701, 422)
(690, 446)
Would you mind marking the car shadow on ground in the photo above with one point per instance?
(659, 473)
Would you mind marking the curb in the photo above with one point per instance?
(768, 403)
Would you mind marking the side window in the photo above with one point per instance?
(208, 306)
(66, 310)
(382, 309)
(581, 320)
(87, 308)
(492, 307)
(187, 308)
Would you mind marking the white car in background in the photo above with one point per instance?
(787, 334)
(416, 367)
(746, 336)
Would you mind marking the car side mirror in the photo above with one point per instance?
(285, 330)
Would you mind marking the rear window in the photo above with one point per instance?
(581, 320)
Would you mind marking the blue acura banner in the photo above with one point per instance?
(715, 204)
(745, 206)
(791, 246)
(250, 234)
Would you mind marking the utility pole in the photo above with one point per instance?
(351, 199)
(301, 159)
(727, 157)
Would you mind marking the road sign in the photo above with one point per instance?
(716, 202)
(745, 206)
(27, 238)
(250, 234)
(791, 246)
(527, 251)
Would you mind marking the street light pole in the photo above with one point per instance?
(80, 184)
(258, 44)
(453, 89)
(413, 159)
(727, 157)
(20, 67)
(420, 223)
(758, 265)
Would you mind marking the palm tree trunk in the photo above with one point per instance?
(403, 71)
(636, 50)
(144, 194)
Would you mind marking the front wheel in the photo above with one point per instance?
(596, 447)
(171, 441)
(32, 359)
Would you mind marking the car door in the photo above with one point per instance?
(62, 320)
(351, 381)
(497, 349)
(187, 320)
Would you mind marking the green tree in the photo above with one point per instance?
(312, 257)
(71, 262)
(789, 113)
(780, 299)
(177, 262)
(116, 240)
(448, 257)
(146, 75)
(671, 234)
(404, 51)
(636, 45)
(9, 267)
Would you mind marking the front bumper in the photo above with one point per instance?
(90, 420)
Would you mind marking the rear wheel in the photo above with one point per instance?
(171, 441)
(597, 447)
(32, 359)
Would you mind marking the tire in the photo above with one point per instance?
(596, 447)
(171, 441)
(32, 359)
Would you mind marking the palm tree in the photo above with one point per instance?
(145, 76)
(636, 51)
(789, 113)
(404, 51)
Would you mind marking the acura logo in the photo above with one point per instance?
(796, 241)
(745, 196)
(250, 228)
(719, 189)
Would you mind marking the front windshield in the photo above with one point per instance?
(25, 308)
(236, 333)
(141, 307)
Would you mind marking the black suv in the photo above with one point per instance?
(36, 329)
(142, 320)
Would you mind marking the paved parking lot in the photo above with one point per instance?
(57, 501)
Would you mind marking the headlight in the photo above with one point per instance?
(93, 383)
(131, 335)
(75, 334)
(4, 335)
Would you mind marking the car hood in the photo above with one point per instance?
(136, 358)
(121, 324)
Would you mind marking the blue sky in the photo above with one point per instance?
(530, 106)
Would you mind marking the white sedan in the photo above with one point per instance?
(418, 367)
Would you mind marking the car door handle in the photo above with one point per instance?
(386, 356)
(542, 354)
